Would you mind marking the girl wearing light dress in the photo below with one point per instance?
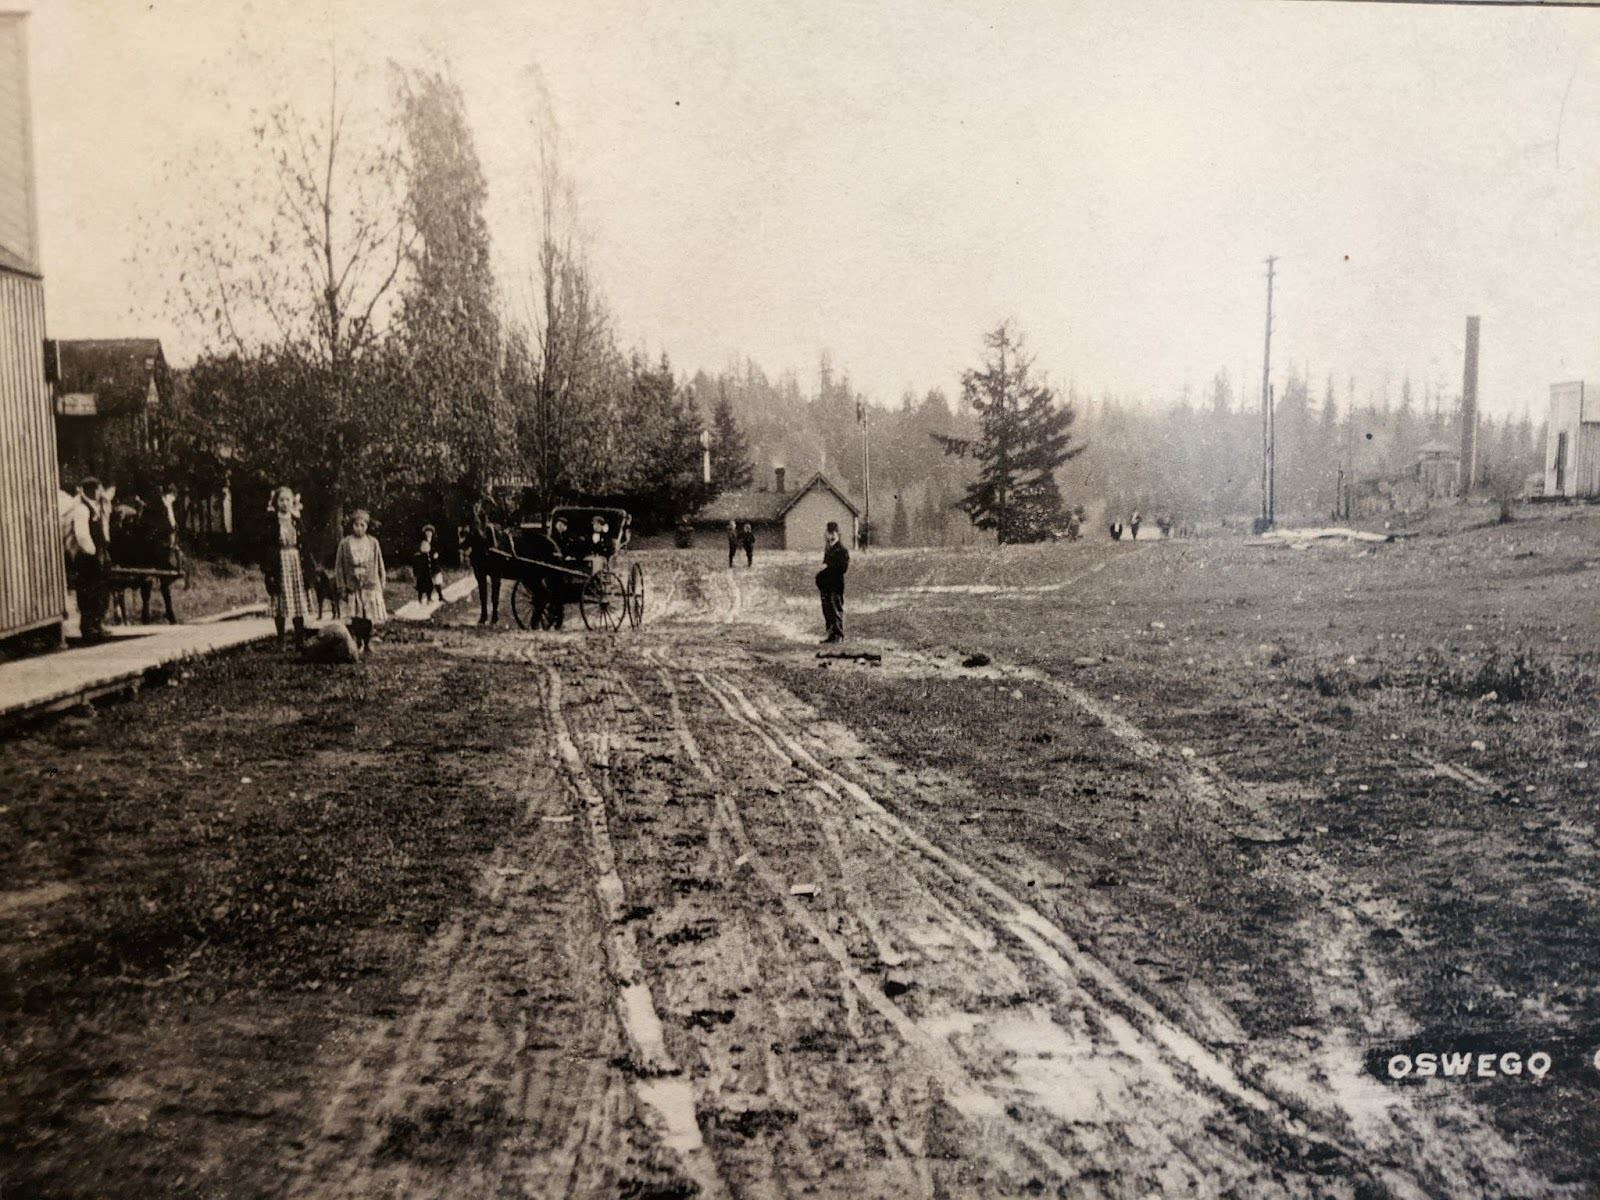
(359, 574)
(285, 562)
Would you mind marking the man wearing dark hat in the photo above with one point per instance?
(830, 583)
(90, 560)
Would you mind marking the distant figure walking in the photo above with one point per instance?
(1116, 531)
(478, 538)
(1133, 526)
(358, 569)
(747, 539)
(425, 567)
(733, 541)
(830, 583)
(286, 564)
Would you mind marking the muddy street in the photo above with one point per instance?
(707, 930)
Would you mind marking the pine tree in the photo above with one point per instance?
(900, 529)
(730, 452)
(1022, 439)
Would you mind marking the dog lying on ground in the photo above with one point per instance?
(333, 644)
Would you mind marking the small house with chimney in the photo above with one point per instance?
(782, 519)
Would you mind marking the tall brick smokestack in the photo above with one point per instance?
(1469, 412)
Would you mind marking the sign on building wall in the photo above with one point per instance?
(76, 404)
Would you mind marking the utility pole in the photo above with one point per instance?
(866, 467)
(1266, 410)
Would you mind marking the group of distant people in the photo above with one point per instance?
(100, 535)
(355, 585)
(741, 539)
(1163, 523)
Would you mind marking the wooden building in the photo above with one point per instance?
(33, 583)
(110, 395)
(1572, 442)
(1438, 468)
(782, 519)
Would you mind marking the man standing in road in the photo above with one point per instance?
(830, 583)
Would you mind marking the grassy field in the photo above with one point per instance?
(1415, 724)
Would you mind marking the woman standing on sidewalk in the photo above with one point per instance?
(358, 573)
(285, 564)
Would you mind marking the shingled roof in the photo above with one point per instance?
(114, 370)
(765, 508)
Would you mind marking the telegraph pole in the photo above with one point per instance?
(1266, 411)
(866, 468)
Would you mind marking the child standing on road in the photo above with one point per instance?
(425, 566)
(359, 573)
(285, 563)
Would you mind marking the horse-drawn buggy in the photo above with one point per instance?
(570, 558)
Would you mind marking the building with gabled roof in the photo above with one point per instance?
(109, 397)
(782, 519)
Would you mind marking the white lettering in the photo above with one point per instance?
(1457, 1064)
(1511, 1064)
(1427, 1064)
(1399, 1067)
(1485, 1065)
(1538, 1064)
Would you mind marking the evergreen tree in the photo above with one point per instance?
(731, 469)
(900, 529)
(657, 450)
(1022, 439)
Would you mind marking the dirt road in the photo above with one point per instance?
(793, 983)
(691, 911)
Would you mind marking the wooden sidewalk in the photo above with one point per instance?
(51, 682)
(48, 683)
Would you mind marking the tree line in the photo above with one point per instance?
(1196, 459)
(358, 349)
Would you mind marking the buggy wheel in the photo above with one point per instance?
(635, 595)
(524, 606)
(603, 601)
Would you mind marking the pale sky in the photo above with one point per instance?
(889, 180)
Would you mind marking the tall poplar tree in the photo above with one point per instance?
(448, 317)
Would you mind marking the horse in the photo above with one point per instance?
(141, 541)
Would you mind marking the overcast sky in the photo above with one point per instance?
(888, 180)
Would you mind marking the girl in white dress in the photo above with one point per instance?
(359, 574)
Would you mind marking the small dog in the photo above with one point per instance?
(327, 593)
(333, 644)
